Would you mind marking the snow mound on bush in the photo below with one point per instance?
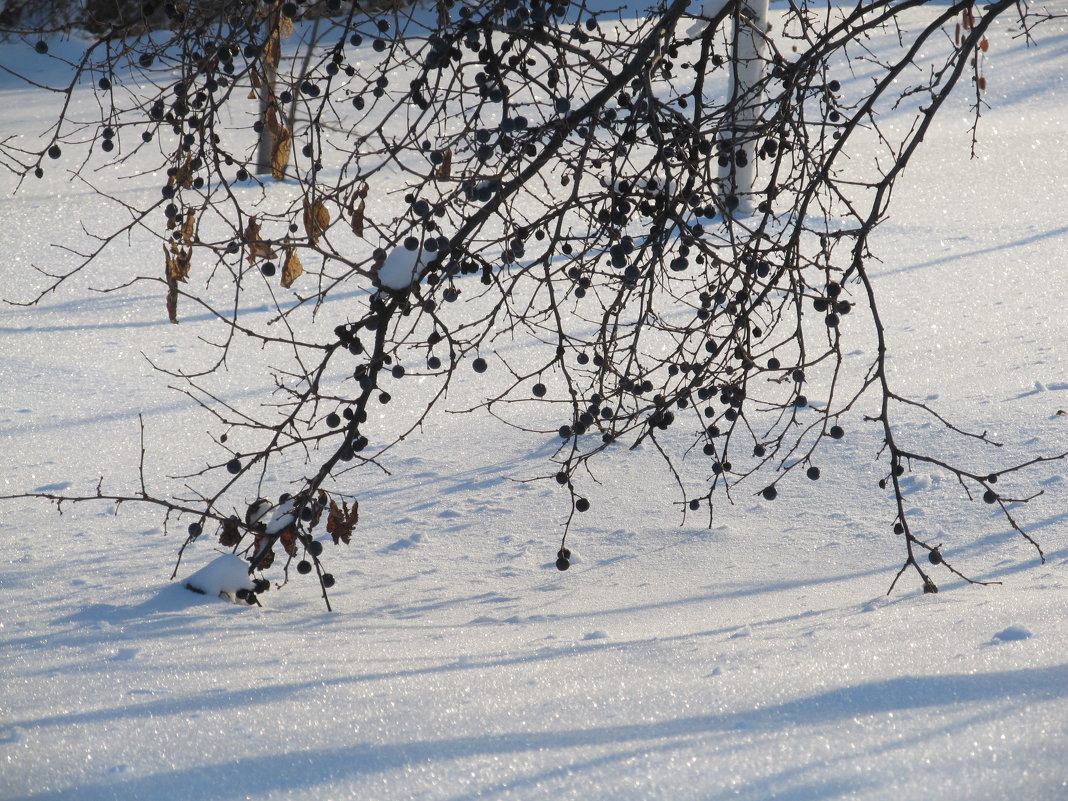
(223, 576)
(401, 268)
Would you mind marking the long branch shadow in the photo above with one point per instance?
(307, 769)
(1019, 243)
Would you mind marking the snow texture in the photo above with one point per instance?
(282, 518)
(754, 660)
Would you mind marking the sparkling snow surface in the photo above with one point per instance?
(755, 659)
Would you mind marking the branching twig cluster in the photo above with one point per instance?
(566, 180)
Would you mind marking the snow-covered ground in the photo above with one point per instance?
(756, 659)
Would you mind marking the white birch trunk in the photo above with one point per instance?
(747, 72)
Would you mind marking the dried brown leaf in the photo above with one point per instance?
(257, 248)
(280, 154)
(182, 259)
(183, 175)
(316, 220)
(357, 218)
(271, 120)
(267, 559)
(292, 269)
(288, 538)
(188, 226)
(172, 302)
(272, 51)
(177, 262)
(229, 536)
(342, 520)
(444, 170)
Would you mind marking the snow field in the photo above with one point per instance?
(753, 659)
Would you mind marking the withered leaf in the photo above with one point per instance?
(317, 513)
(177, 269)
(280, 153)
(444, 170)
(270, 119)
(291, 269)
(183, 175)
(288, 538)
(229, 536)
(178, 260)
(266, 560)
(341, 521)
(285, 27)
(188, 226)
(316, 220)
(257, 248)
(272, 51)
(357, 218)
(172, 301)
